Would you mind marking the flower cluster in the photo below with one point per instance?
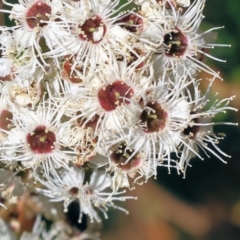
(94, 99)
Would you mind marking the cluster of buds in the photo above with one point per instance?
(93, 99)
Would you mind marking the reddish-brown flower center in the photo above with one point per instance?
(88, 123)
(191, 131)
(41, 140)
(176, 43)
(114, 95)
(132, 23)
(93, 30)
(124, 158)
(134, 56)
(7, 78)
(38, 14)
(5, 119)
(74, 191)
(70, 73)
(153, 118)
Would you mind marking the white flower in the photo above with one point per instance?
(125, 162)
(36, 18)
(86, 85)
(72, 185)
(95, 36)
(36, 139)
(59, 230)
(112, 95)
(183, 45)
(22, 96)
(199, 134)
(37, 30)
(162, 116)
(20, 64)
